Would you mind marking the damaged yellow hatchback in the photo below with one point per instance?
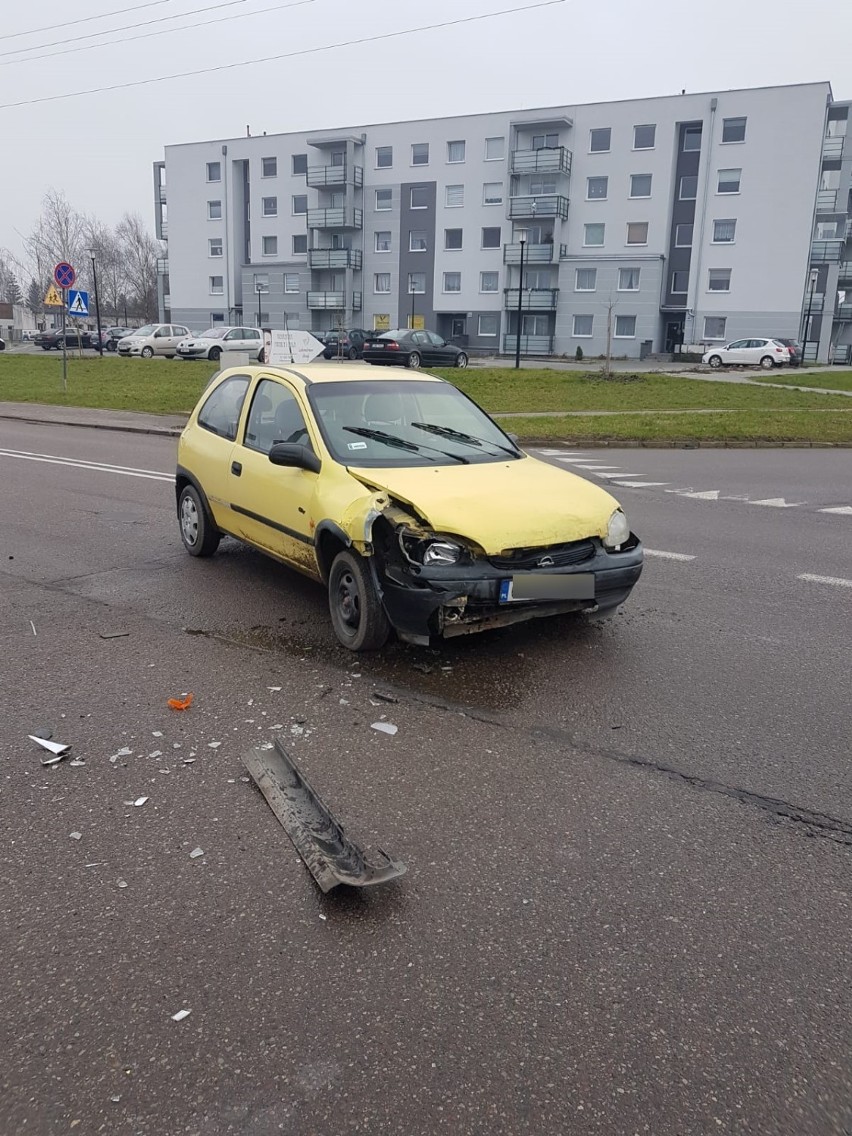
(402, 497)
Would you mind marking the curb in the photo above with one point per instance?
(124, 428)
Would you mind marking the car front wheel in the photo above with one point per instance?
(461, 359)
(767, 362)
(413, 361)
(357, 615)
(147, 352)
(199, 535)
(715, 361)
(214, 354)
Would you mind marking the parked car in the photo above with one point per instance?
(348, 344)
(2, 344)
(402, 497)
(795, 349)
(48, 339)
(766, 353)
(413, 349)
(153, 339)
(218, 341)
(113, 335)
(73, 337)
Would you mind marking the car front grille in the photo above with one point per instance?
(561, 555)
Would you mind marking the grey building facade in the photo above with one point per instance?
(644, 223)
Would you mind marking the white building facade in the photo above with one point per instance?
(649, 222)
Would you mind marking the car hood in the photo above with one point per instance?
(197, 341)
(499, 505)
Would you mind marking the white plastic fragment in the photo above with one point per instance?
(77, 762)
(139, 802)
(195, 853)
(323, 917)
(189, 761)
(56, 748)
(176, 745)
(75, 835)
(121, 883)
(385, 727)
(274, 689)
(156, 733)
(156, 753)
(32, 625)
(213, 745)
(279, 726)
(180, 1015)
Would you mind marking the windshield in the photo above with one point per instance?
(382, 423)
(213, 333)
(148, 329)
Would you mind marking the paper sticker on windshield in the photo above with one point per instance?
(356, 446)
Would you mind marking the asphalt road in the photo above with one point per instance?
(627, 907)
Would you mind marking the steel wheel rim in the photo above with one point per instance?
(461, 361)
(414, 360)
(189, 521)
(349, 601)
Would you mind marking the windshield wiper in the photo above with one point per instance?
(458, 436)
(398, 443)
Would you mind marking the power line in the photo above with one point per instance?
(284, 55)
(85, 20)
(150, 35)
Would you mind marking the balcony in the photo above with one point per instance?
(343, 217)
(533, 254)
(843, 312)
(333, 301)
(826, 201)
(845, 271)
(555, 160)
(161, 194)
(335, 258)
(532, 299)
(832, 147)
(322, 177)
(849, 229)
(530, 344)
(536, 206)
(827, 252)
(163, 234)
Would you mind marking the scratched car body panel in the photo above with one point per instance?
(399, 494)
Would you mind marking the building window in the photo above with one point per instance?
(214, 171)
(599, 140)
(338, 158)
(454, 196)
(680, 283)
(583, 327)
(491, 237)
(585, 279)
(270, 206)
(217, 285)
(489, 323)
(692, 137)
(452, 282)
(637, 232)
(214, 246)
(270, 246)
(640, 185)
(453, 239)
(644, 137)
(625, 327)
(495, 149)
(417, 240)
(596, 188)
(217, 317)
(729, 181)
(384, 199)
(261, 281)
(300, 164)
(420, 154)
(628, 279)
(724, 232)
(383, 241)
(683, 236)
(291, 281)
(416, 282)
(594, 234)
(384, 157)
(714, 327)
(455, 151)
(733, 129)
(489, 281)
(419, 197)
(300, 244)
(492, 193)
(300, 204)
(214, 210)
(382, 282)
(269, 167)
(719, 280)
(828, 230)
(688, 189)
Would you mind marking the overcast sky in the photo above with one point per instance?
(98, 148)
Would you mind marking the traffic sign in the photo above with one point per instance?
(78, 303)
(290, 347)
(64, 274)
(53, 299)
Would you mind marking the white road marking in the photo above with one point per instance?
(840, 510)
(96, 467)
(704, 495)
(594, 465)
(575, 460)
(667, 555)
(777, 503)
(838, 581)
(558, 453)
(638, 484)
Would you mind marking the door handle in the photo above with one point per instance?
(236, 468)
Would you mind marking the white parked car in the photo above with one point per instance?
(766, 353)
(218, 341)
(153, 339)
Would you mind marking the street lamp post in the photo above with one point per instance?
(522, 240)
(97, 301)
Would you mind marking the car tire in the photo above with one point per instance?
(715, 361)
(147, 352)
(214, 354)
(357, 615)
(352, 353)
(461, 359)
(199, 535)
(413, 361)
(767, 362)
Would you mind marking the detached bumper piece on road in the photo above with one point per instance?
(330, 856)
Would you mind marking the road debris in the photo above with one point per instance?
(183, 703)
(180, 1015)
(327, 852)
(156, 753)
(273, 689)
(57, 749)
(121, 883)
(385, 727)
(113, 634)
(156, 733)
(139, 802)
(77, 763)
(385, 696)
(213, 745)
(75, 835)
(32, 625)
(195, 853)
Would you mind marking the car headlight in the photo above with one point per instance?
(617, 530)
(427, 550)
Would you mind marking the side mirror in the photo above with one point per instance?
(295, 456)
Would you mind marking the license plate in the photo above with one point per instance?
(571, 586)
(376, 346)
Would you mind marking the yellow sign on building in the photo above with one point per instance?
(381, 322)
(53, 299)
(417, 323)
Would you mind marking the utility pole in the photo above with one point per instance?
(97, 302)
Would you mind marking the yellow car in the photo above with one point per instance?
(400, 495)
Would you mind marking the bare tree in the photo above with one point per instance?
(139, 253)
(610, 307)
(109, 260)
(59, 234)
(35, 298)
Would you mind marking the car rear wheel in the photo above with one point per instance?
(214, 354)
(147, 352)
(199, 535)
(461, 359)
(357, 615)
(767, 362)
(715, 361)
(413, 361)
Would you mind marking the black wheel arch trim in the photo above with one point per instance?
(183, 474)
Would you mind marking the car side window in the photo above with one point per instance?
(275, 416)
(232, 335)
(739, 343)
(434, 339)
(220, 414)
(420, 338)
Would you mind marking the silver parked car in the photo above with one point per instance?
(218, 341)
(153, 339)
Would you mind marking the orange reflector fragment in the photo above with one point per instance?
(180, 703)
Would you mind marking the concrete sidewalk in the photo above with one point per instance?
(128, 421)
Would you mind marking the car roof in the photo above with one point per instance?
(316, 373)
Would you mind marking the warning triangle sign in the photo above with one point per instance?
(53, 298)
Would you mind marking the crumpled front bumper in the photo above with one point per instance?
(462, 599)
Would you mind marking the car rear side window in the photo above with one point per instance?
(220, 414)
(275, 416)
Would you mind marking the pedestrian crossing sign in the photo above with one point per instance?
(78, 303)
(53, 299)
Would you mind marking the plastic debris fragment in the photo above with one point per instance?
(180, 703)
(385, 727)
(56, 748)
(75, 835)
(180, 1015)
(195, 853)
(113, 634)
(121, 883)
(213, 745)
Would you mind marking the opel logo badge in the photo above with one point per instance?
(546, 562)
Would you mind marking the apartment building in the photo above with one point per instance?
(648, 222)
